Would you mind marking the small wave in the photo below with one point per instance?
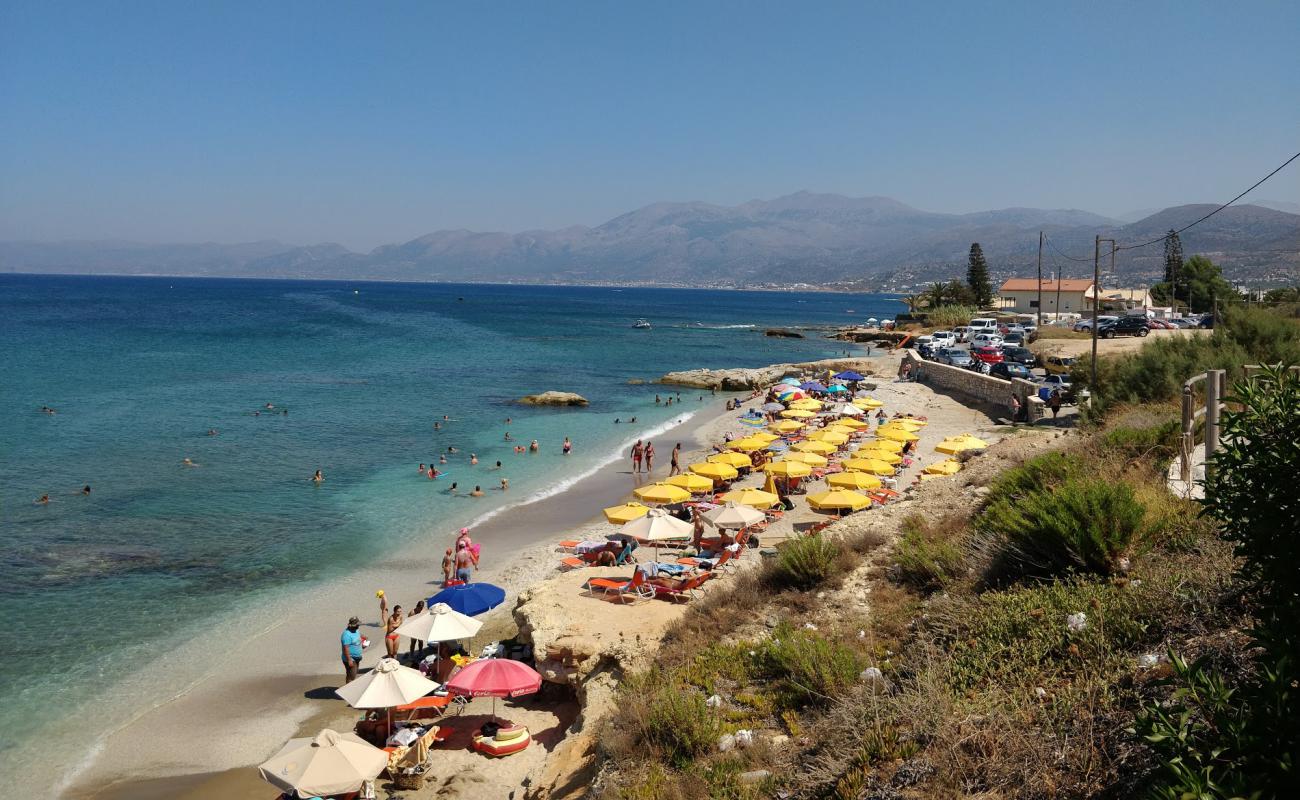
(702, 326)
(568, 483)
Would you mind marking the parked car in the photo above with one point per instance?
(1207, 321)
(1010, 369)
(1124, 326)
(962, 332)
(984, 357)
(1057, 382)
(954, 356)
(1019, 355)
(1085, 324)
(1013, 338)
(983, 325)
(986, 340)
(1058, 365)
(944, 338)
(1185, 322)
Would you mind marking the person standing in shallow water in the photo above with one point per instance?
(567, 447)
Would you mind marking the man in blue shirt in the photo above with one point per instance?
(351, 645)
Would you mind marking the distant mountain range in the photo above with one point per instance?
(803, 238)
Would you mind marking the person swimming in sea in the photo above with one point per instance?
(269, 406)
(567, 447)
(617, 420)
(85, 489)
(452, 450)
(505, 484)
(508, 439)
(48, 410)
(433, 473)
(319, 477)
(452, 488)
(43, 500)
(478, 492)
(498, 466)
(437, 426)
(533, 448)
(442, 459)
(212, 431)
(422, 468)
(473, 459)
(186, 462)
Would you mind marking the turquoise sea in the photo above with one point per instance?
(138, 370)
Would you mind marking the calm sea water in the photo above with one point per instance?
(140, 369)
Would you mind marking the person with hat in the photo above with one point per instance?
(351, 645)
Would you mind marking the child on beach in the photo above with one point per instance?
(383, 605)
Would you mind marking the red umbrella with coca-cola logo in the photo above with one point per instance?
(495, 677)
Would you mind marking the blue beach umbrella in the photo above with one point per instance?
(789, 380)
(813, 386)
(849, 375)
(837, 388)
(470, 599)
(777, 446)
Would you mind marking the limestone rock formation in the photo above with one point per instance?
(554, 399)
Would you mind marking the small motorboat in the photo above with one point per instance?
(641, 323)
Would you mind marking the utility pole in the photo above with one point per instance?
(1096, 298)
(1040, 279)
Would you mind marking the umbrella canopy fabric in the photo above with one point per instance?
(747, 444)
(772, 407)
(715, 471)
(691, 482)
(661, 493)
(814, 447)
(798, 413)
(838, 388)
(495, 677)
(789, 395)
(838, 499)
(848, 410)
(813, 386)
(733, 515)
(904, 425)
(788, 469)
(625, 513)
(658, 526)
(756, 498)
(852, 424)
(785, 426)
(948, 467)
(764, 437)
(327, 763)
(471, 598)
(853, 480)
(790, 380)
(829, 437)
(956, 444)
(387, 685)
(868, 402)
(847, 375)
(887, 456)
(886, 444)
(807, 404)
(778, 445)
(441, 623)
(811, 459)
(731, 459)
(870, 465)
(897, 434)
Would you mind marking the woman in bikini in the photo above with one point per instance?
(390, 632)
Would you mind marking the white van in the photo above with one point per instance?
(983, 325)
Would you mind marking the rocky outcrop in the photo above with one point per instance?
(783, 333)
(868, 335)
(740, 380)
(554, 399)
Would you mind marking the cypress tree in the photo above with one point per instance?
(1173, 262)
(977, 277)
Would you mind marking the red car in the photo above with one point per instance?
(985, 357)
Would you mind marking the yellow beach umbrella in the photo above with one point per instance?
(769, 485)
(755, 498)
(837, 499)
(662, 493)
(714, 470)
(850, 422)
(625, 513)
(948, 467)
(787, 468)
(886, 444)
(811, 459)
(797, 413)
(807, 404)
(731, 459)
(904, 425)
(695, 484)
(840, 429)
(814, 447)
(747, 444)
(764, 436)
(786, 426)
(867, 402)
(897, 434)
(956, 444)
(853, 480)
(830, 437)
(870, 465)
(926, 476)
(879, 455)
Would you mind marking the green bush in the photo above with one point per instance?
(1084, 524)
(805, 563)
(929, 557)
(1036, 474)
(1157, 444)
(950, 316)
(672, 719)
(807, 668)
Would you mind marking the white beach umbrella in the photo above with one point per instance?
(388, 684)
(441, 623)
(848, 410)
(658, 525)
(733, 515)
(327, 763)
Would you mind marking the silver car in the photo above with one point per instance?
(954, 356)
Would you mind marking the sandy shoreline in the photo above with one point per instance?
(266, 685)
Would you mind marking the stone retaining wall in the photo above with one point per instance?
(975, 385)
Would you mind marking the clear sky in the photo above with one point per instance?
(365, 123)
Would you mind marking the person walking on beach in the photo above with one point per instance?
(351, 646)
(649, 456)
(464, 563)
(674, 468)
(637, 450)
(1014, 407)
(448, 565)
(390, 631)
(383, 606)
(1054, 403)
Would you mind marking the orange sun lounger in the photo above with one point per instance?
(637, 587)
(429, 707)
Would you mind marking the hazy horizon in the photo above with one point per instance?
(312, 123)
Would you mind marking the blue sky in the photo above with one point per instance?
(366, 123)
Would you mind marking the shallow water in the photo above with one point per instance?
(139, 370)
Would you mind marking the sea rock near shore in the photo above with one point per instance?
(554, 399)
(739, 380)
(781, 332)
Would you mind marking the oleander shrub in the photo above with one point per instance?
(1083, 524)
(929, 557)
(805, 563)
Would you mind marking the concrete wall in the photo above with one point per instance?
(973, 385)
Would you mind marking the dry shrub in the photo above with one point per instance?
(930, 556)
